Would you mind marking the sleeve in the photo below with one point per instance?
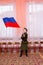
(22, 37)
(26, 35)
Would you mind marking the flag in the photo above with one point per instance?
(10, 22)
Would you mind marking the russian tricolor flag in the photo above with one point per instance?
(10, 22)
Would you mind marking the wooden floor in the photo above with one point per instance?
(14, 59)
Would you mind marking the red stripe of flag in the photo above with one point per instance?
(10, 24)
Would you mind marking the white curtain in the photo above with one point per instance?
(34, 19)
(7, 11)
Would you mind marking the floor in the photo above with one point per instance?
(14, 59)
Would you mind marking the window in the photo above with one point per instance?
(7, 11)
(34, 19)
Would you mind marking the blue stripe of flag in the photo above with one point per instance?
(11, 19)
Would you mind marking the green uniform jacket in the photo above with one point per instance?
(24, 42)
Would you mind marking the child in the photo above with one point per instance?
(24, 42)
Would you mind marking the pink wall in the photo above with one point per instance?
(20, 10)
(34, 1)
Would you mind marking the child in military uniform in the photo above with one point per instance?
(24, 42)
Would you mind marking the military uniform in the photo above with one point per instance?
(24, 43)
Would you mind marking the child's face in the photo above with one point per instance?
(24, 30)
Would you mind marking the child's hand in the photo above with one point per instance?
(23, 35)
